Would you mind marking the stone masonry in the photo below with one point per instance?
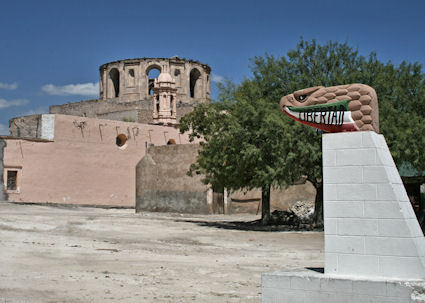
(126, 89)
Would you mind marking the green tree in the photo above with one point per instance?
(249, 143)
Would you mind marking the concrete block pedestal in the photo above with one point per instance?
(308, 286)
(373, 241)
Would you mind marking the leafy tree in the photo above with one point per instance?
(249, 143)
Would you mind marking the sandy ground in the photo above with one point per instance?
(57, 254)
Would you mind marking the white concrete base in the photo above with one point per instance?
(308, 286)
(370, 226)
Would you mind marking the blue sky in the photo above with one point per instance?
(50, 51)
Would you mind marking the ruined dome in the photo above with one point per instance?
(165, 77)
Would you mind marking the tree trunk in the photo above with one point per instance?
(318, 205)
(265, 204)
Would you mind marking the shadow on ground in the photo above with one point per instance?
(248, 225)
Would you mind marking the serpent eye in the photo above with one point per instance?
(302, 97)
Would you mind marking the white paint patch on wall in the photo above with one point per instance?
(47, 126)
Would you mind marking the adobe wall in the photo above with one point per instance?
(83, 164)
(3, 195)
(162, 183)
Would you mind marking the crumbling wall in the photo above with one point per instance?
(3, 195)
(124, 115)
(25, 127)
(128, 80)
(137, 111)
(97, 108)
(162, 183)
(281, 199)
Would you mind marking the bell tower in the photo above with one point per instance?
(164, 98)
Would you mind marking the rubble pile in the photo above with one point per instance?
(298, 217)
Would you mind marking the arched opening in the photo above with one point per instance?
(121, 141)
(194, 83)
(172, 105)
(131, 78)
(152, 73)
(177, 78)
(171, 141)
(114, 83)
(157, 103)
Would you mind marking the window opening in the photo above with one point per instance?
(121, 140)
(114, 76)
(12, 179)
(130, 78)
(152, 73)
(194, 77)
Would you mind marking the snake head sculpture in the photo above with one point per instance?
(350, 107)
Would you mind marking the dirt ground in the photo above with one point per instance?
(81, 254)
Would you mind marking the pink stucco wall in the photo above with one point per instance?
(83, 164)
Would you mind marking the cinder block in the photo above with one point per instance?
(329, 192)
(400, 193)
(276, 280)
(356, 157)
(341, 140)
(344, 244)
(380, 141)
(329, 158)
(383, 157)
(385, 192)
(414, 228)
(396, 289)
(401, 267)
(376, 299)
(303, 283)
(327, 297)
(375, 174)
(336, 285)
(284, 296)
(420, 247)
(373, 288)
(331, 263)
(331, 226)
(369, 139)
(398, 228)
(407, 210)
(357, 227)
(343, 175)
(326, 288)
(393, 175)
(353, 192)
(358, 265)
(343, 209)
(376, 230)
(390, 246)
(272, 295)
(383, 210)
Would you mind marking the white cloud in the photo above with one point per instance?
(217, 78)
(82, 89)
(9, 86)
(4, 130)
(16, 102)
